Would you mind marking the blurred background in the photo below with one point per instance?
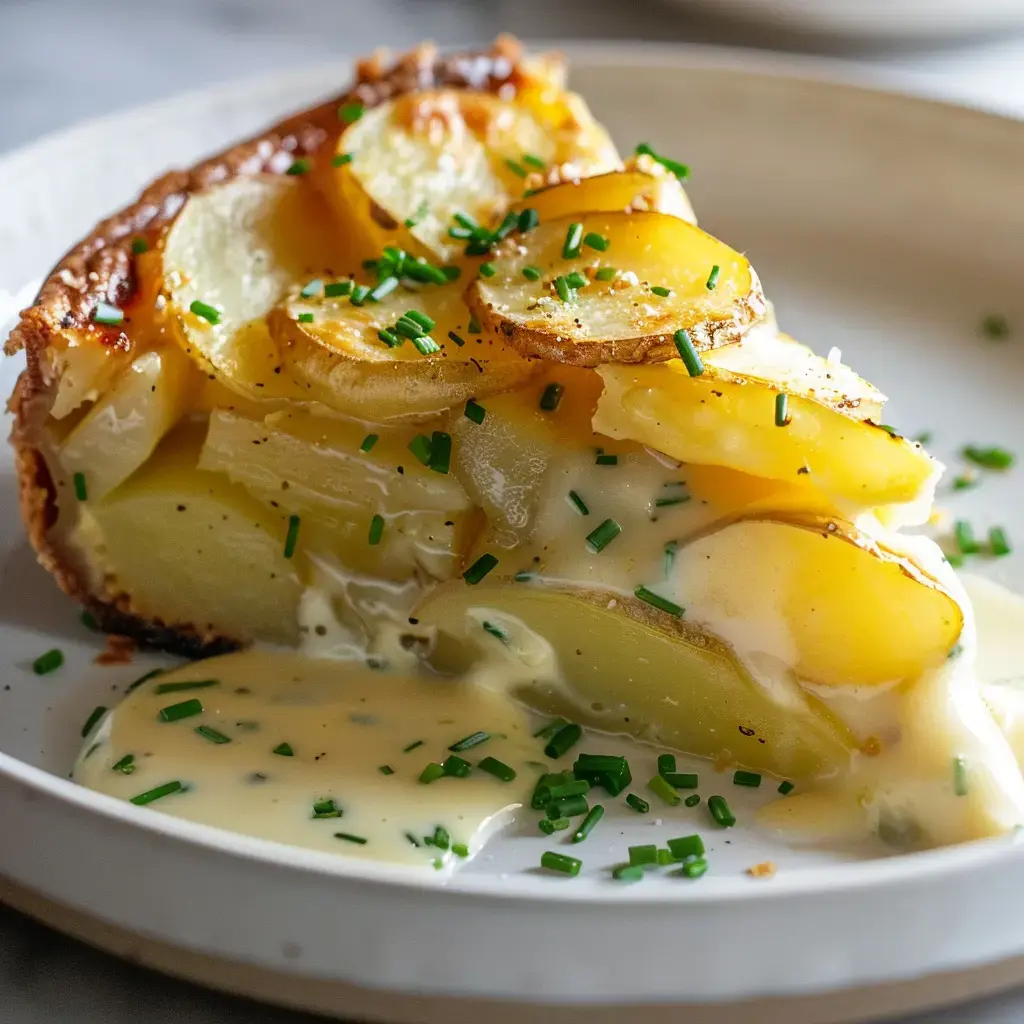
(64, 60)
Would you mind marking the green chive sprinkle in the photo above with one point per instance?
(211, 734)
(552, 396)
(470, 741)
(517, 169)
(663, 604)
(455, 766)
(495, 631)
(81, 493)
(139, 246)
(480, 568)
(532, 273)
(385, 769)
(528, 220)
(573, 240)
(183, 709)
(475, 412)
(592, 240)
(965, 539)
(368, 442)
(661, 291)
(125, 766)
(720, 811)
(96, 715)
(440, 451)
(284, 750)
(960, 776)
(563, 740)
(599, 538)
(108, 315)
(954, 559)
(48, 662)
(688, 353)
(312, 289)
(326, 808)
(686, 846)
(550, 729)
(666, 764)
(389, 338)
(204, 310)
(533, 161)
(995, 326)
(350, 112)
(674, 494)
(606, 274)
(474, 325)
(966, 481)
(668, 557)
(638, 804)
(628, 873)
(681, 171)
(90, 621)
(451, 273)
(337, 289)
(640, 856)
(441, 839)
(299, 166)
(578, 503)
(412, 746)
(692, 800)
(293, 536)
(487, 270)
(497, 768)
(695, 868)
(420, 447)
(659, 787)
(576, 280)
(586, 826)
(305, 318)
(376, 529)
(713, 278)
(998, 542)
(785, 788)
(749, 779)
(383, 288)
(551, 825)
(458, 340)
(989, 458)
(438, 863)
(421, 211)
(341, 159)
(349, 838)
(156, 794)
(358, 294)
(782, 410)
(412, 839)
(460, 850)
(565, 293)
(606, 460)
(559, 862)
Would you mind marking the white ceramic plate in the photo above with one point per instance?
(880, 223)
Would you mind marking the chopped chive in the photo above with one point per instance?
(628, 873)
(414, 840)
(426, 346)
(283, 750)
(713, 278)
(542, 791)
(349, 838)
(998, 542)
(528, 220)
(305, 318)
(559, 862)
(681, 780)
(599, 538)
(782, 409)
(460, 233)
(692, 800)
(440, 451)
(97, 714)
(496, 631)
(431, 773)
(610, 773)
(497, 768)
(412, 746)
(661, 291)
(665, 858)
(125, 766)
(145, 679)
(157, 793)
(638, 804)
(659, 787)
(211, 734)
(965, 481)
(663, 604)
(606, 460)
(565, 293)
(337, 289)
(995, 326)
(358, 294)
(606, 274)
(640, 856)
(81, 492)
(965, 539)
(350, 112)
(680, 170)
(460, 850)
(474, 325)
(376, 529)
(300, 166)
(480, 568)
(695, 868)
(954, 559)
(464, 220)
(575, 787)
(48, 662)
(139, 245)
(517, 169)
(989, 458)
(340, 159)
(592, 240)
(785, 788)
(451, 272)
(524, 577)
(368, 442)
(686, 846)
(293, 536)
(383, 288)
(586, 826)
(90, 621)
(668, 557)
(475, 412)
(578, 503)
(750, 779)
(386, 769)
(688, 353)
(183, 709)
(455, 766)
(421, 211)
(573, 240)
(720, 811)
(533, 161)
(204, 310)
(438, 863)
(312, 288)
(420, 447)
(551, 825)
(389, 338)
(666, 764)
(326, 808)
(959, 776)
(563, 740)
(550, 729)
(454, 337)
(441, 839)
(576, 280)
(108, 315)
(470, 741)
(552, 396)
(487, 270)
(532, 273)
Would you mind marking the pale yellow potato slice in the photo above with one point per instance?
(419, 159)
(238, 248)
(314, 466)
(621, 320)
(628, 668)
(727, 417)
(339, 359)
(126, 424)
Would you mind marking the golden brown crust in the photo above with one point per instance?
(101, 268)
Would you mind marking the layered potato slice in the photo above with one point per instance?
(616, 287)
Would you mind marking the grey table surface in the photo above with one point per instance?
(65, 60)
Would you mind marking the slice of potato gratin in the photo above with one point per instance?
(432, 362)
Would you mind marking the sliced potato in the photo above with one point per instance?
(121, 430)
(237, 248)
(421, 158)
(338, 358)
(726, 417)
(627, 668)
(621, 320)
(314, 466)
